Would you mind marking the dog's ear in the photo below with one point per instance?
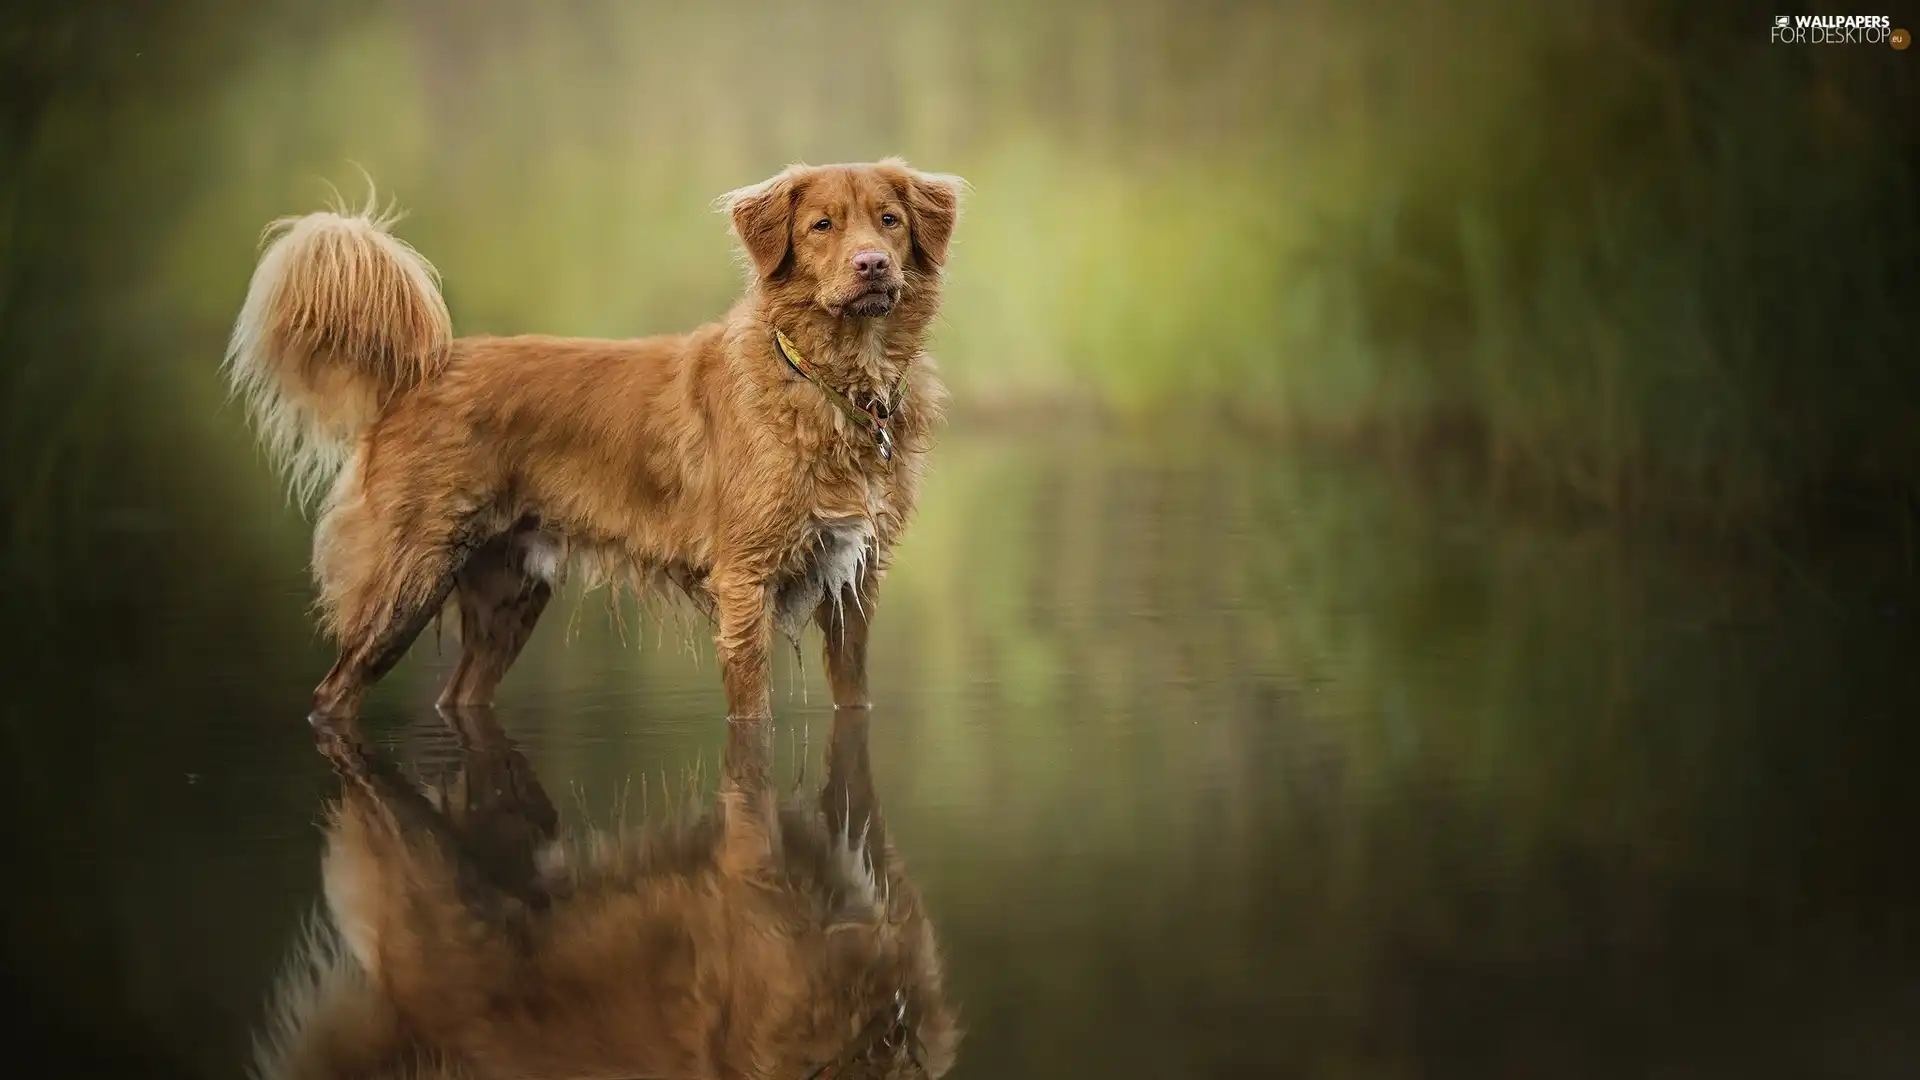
(762, 216)
(933, 203)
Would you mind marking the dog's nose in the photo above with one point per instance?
(871, 264)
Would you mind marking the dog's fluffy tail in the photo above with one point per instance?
(340, 317)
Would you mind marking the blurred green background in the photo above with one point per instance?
(1168, 652)
(1626, 253)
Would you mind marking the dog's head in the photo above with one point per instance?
(853, 240)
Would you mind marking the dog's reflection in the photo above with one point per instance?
(464, 936)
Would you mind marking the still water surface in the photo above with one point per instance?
(1208, 761)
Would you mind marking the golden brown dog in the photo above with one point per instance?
(462, 937)
(765, 464)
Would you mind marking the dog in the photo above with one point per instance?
(764, 465)
(464, 936)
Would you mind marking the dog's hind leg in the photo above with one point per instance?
(370, 654)
(499, 607)
(378, 597)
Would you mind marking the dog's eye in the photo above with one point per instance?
(823, 225)
(889, 220)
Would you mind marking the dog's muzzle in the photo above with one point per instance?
(871, 303)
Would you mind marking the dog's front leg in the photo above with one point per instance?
(745, 609)
(844, 622)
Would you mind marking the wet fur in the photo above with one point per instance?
(483, 471)
(463, 936)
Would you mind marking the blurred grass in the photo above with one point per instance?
(1622, 254)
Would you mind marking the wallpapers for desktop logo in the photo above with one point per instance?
(1838, 30)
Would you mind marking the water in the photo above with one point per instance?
(1209, 762)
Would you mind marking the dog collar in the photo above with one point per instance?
(891, 1029)
(876, 418)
